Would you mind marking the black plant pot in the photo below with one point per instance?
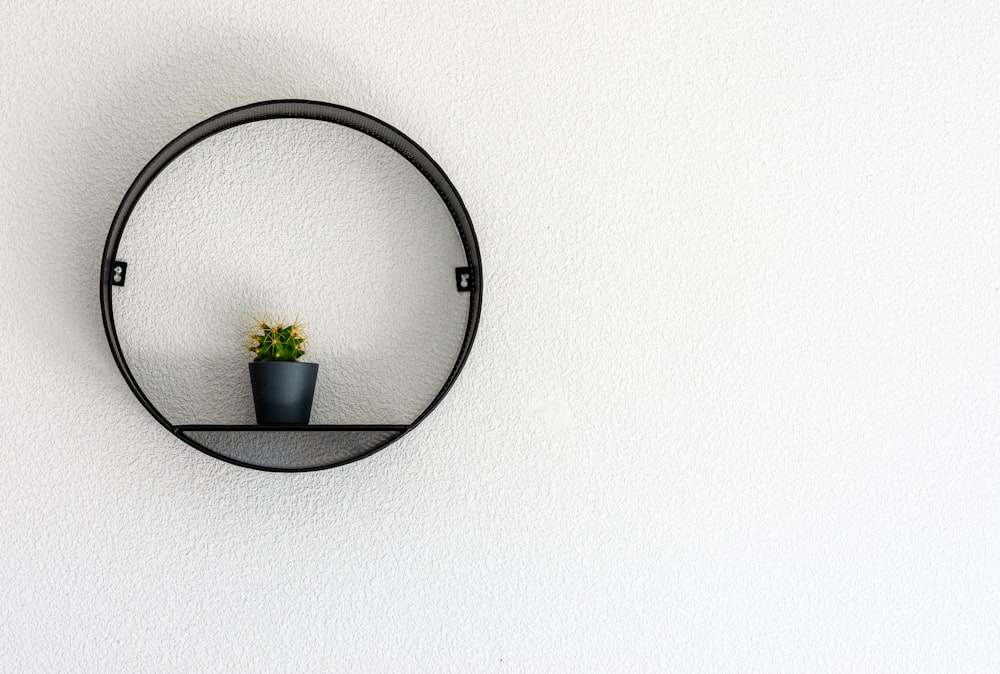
(283, 391)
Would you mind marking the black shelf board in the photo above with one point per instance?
(289, 427)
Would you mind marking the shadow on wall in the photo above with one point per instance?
(110, 126)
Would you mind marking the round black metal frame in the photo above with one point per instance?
(470, 281)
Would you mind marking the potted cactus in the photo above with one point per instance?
(282, 386)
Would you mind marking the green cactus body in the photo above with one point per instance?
(277, 342)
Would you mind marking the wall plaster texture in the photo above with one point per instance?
(734, 402)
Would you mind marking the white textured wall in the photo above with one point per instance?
(734, 402)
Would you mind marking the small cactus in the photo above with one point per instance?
(272, 342)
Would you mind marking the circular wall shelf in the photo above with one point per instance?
(295, 207)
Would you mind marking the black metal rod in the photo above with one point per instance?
(335, 114)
